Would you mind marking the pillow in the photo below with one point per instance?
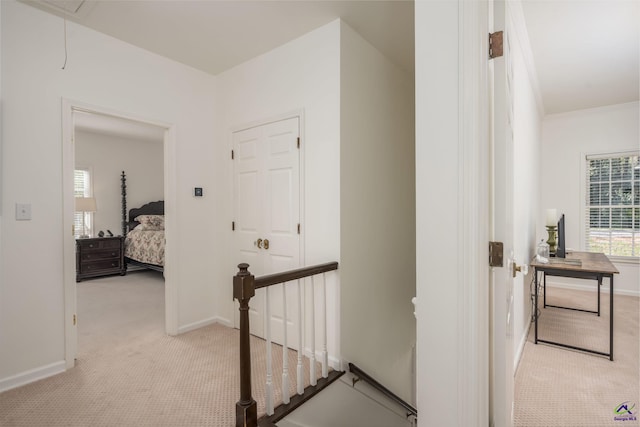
(148, 227)
(151, 222)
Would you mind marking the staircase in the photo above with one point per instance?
(350, 399)
(350, 402)
(244, 288)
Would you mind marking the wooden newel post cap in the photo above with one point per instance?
(243, 283)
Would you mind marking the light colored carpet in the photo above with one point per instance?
(130, 373)
(561, 387)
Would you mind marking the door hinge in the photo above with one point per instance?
(495, 44)
(233, 226)
(232, 155)
(75, 320)
(298, 228)
(298, 142)
(496, 254)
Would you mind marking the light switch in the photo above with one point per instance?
(23, 211)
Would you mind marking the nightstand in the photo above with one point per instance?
(99, 256)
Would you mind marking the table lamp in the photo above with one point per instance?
(84, 205)
(552, 228)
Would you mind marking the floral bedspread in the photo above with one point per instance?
(145, 246)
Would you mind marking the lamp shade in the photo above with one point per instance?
(86, 204)
(552, 218)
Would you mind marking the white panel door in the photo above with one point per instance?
(267, 214)
(502, 225)
(248, 180)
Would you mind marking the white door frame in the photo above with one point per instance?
(69, 258)
(452, 172)
(502, 208)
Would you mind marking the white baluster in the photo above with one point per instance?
(267, 334)
(285, 348)
(300, 370)
(312, 361)
(323, 313)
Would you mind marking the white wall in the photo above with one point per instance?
(377, 214)
(303, 74)
(105, 72)
(107, 156)
(567, 138)
(307, 74)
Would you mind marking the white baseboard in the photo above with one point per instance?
(197, 325)
(520, 349)
(32, 375)
(332, 361)
(335, 363)
(210, 321)
(225, 322)
(591, 288)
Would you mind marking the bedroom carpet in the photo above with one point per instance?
(130, 373)
(560, 387)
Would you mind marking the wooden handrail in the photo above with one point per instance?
(244, 287)
(287, 276)
(375, 384)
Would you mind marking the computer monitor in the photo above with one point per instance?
(561, 249)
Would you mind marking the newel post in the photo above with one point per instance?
(243, 290)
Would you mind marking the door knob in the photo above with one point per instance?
(258, 243)
(518, 268)
(266, 243)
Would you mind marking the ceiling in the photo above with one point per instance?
(117, 126)
(214, 35)
(586, 53)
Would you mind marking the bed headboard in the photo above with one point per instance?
(128, 222)
(151, 208)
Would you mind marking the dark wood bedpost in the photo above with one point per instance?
(123, 187)
(243, 289)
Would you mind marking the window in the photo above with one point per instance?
(82, 188)
(613, 204)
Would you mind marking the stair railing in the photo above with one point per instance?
(244, 288)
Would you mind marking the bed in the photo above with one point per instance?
(143, 228)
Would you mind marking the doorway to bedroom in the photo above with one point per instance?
(114, 165)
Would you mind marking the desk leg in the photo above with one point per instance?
(599, 286)
(544, 285)
(535, 304)
(611, 318)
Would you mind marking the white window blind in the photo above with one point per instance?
(613, 204)
(82, 188)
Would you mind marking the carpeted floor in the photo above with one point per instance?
(130, 373)
(560, 387)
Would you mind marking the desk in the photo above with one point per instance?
(579, 265)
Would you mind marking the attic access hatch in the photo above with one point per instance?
(63, 8)
(66, 6)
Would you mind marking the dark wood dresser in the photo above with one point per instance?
(99, 256)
